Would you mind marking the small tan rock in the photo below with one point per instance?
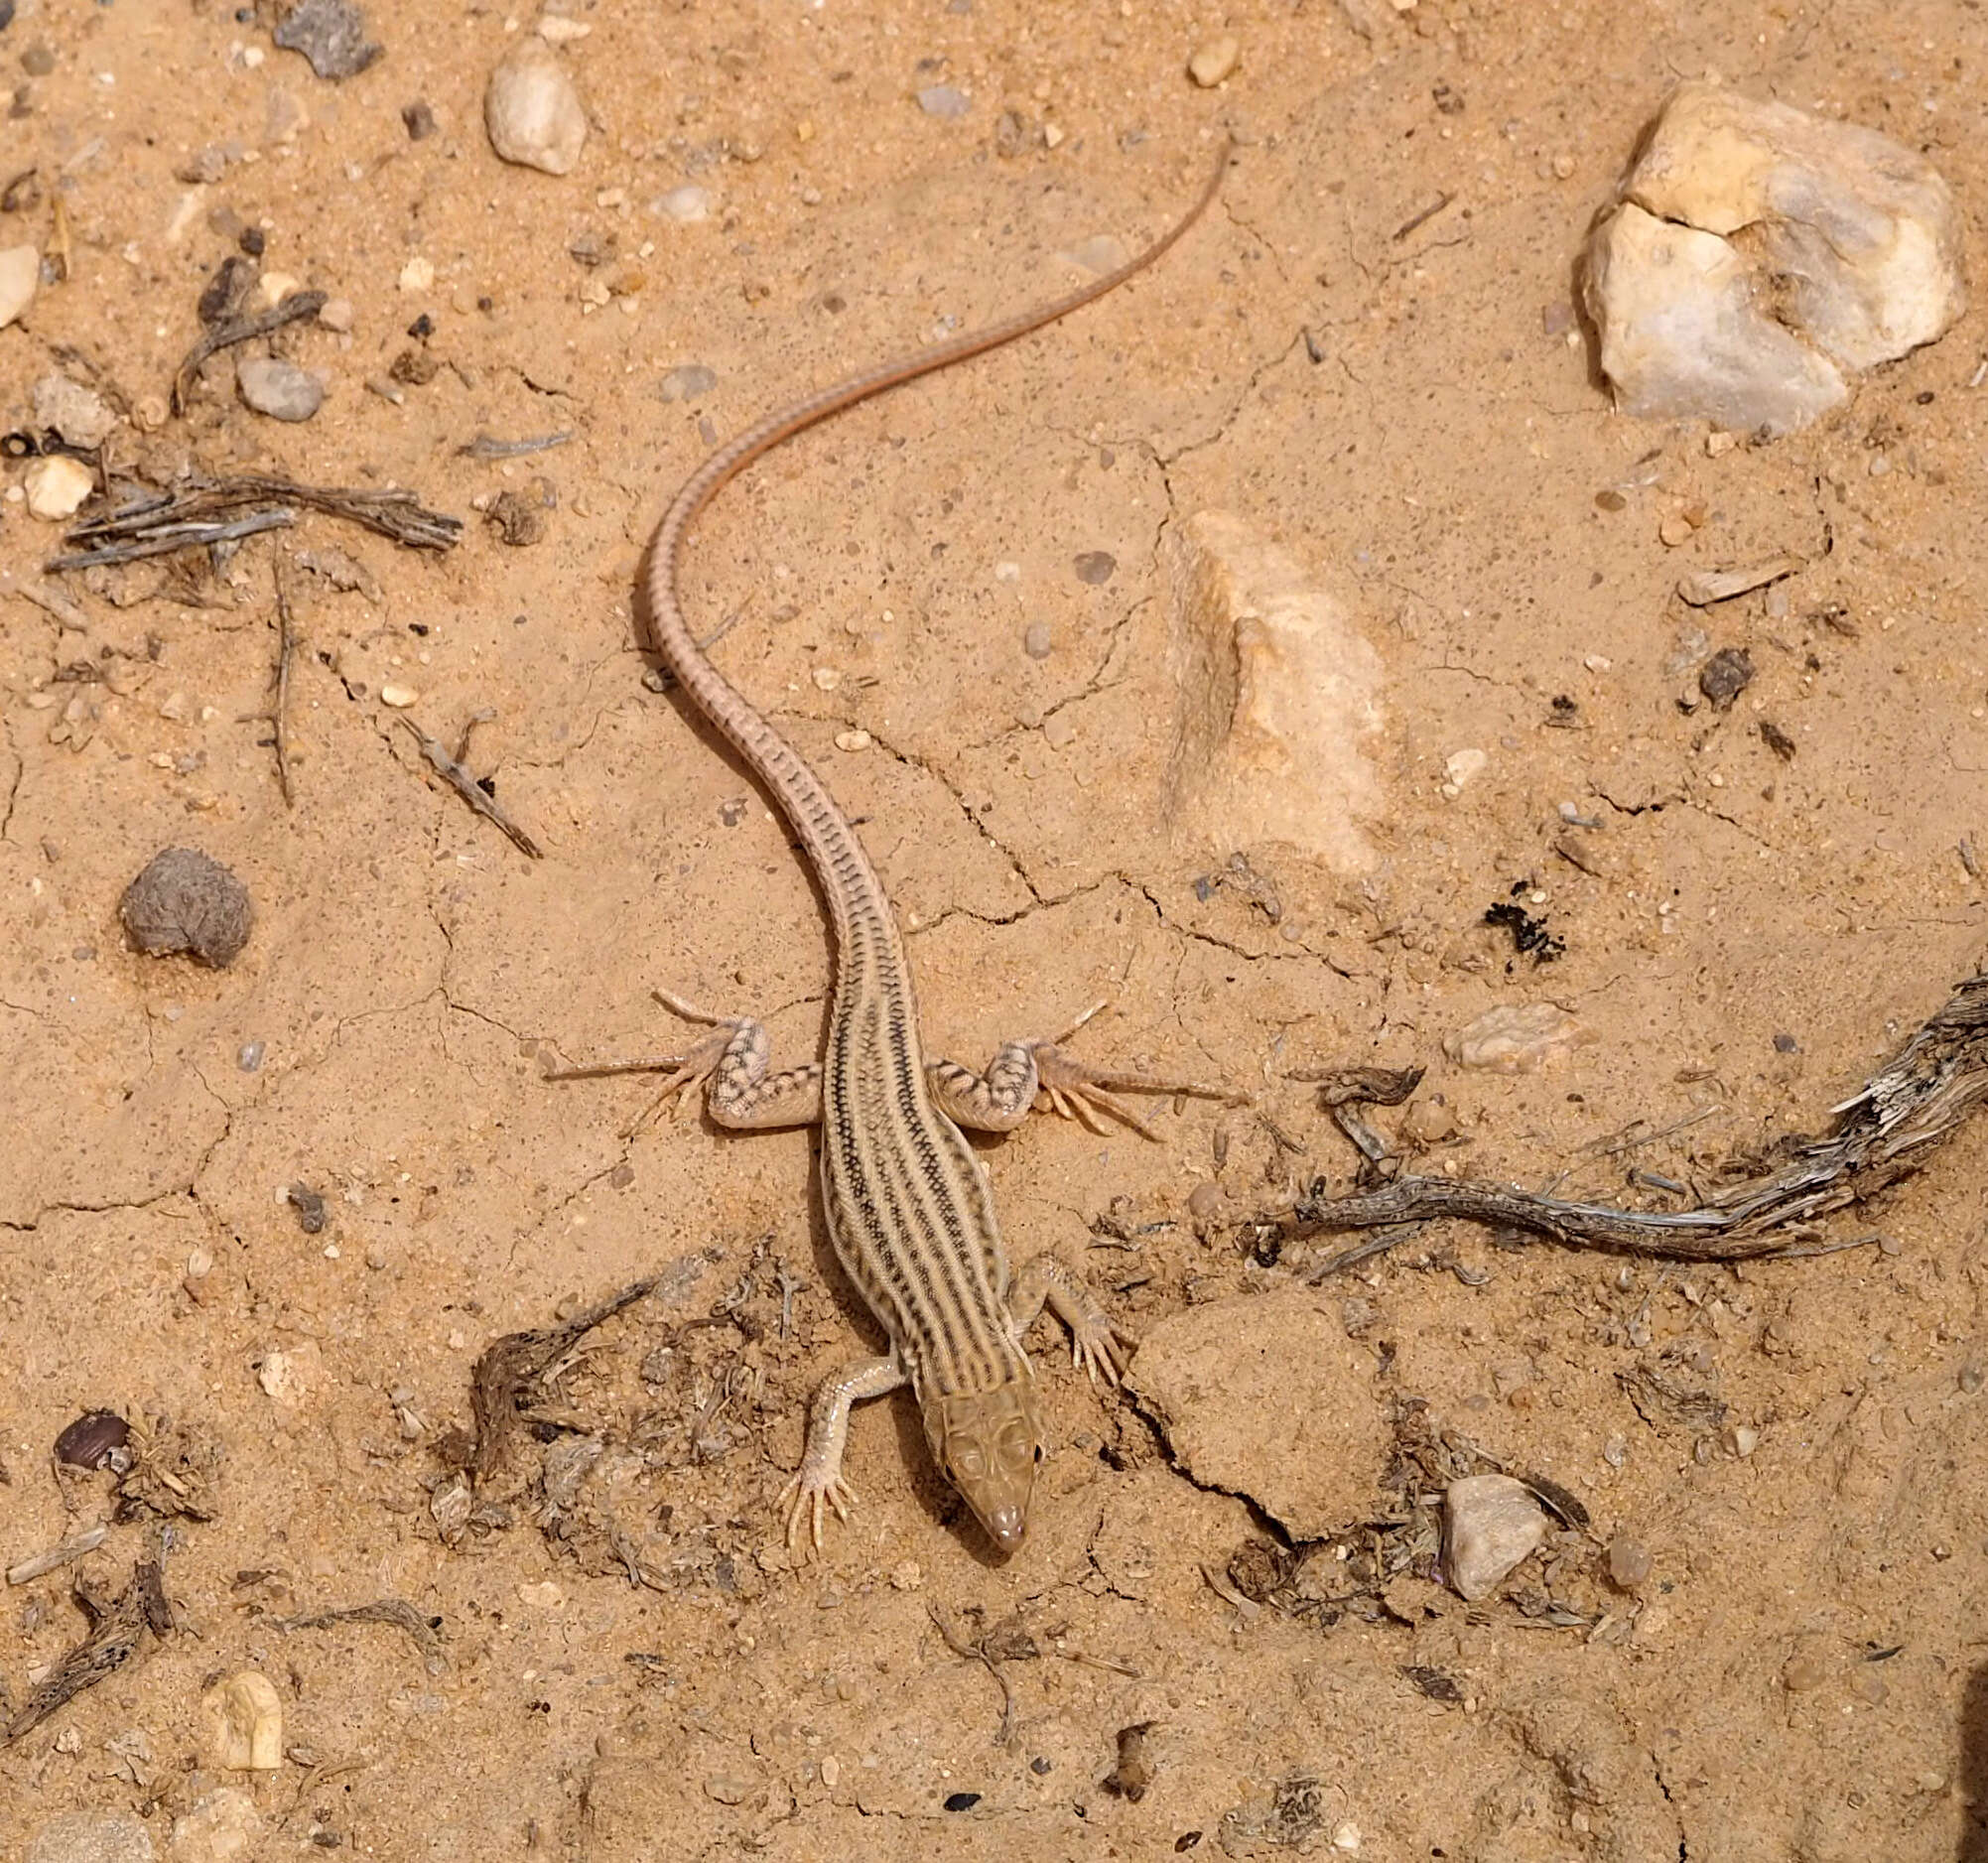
(532, 110)
(1214, 60)
(244, 1718)
(80, 415)
(1491, 1522)
(55, 487)
(20, 272)
(1516, 1039)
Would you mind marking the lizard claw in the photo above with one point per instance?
(1102, 1351)
(804, 1496)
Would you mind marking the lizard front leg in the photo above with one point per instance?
(819, 1478)
(1097, 1343)
(1025, 1075)
(731, 1065)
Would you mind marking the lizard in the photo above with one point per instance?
(910, 1207)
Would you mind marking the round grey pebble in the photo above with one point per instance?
(946, 100)
(184, 901)
(1037, 641)
(1096, 566)
(278, 388)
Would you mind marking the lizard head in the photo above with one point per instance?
(988, 1444)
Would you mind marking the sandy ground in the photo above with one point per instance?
(628, 1665)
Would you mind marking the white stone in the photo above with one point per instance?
(1463, 767)
(532, 110)
(686, 206)
(55, 487)
(418, 274)
(1276, 696)
(399, 696)
(1214, 61)
(279, 389)
(244, 1723)
(1489, 1524)
(1760, 255)
(288, 1377)
(20, 272)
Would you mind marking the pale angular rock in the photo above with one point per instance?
(55, 487)
(1516, 1039)
(90, 1838)
(1859, 233)
(221, 1828)
(1276, 695)
(20, 272)
(244, 1723)
(279, 389)
(1760, 255)
(532, 110)
(1489, 1524)
(1214, 61)
(1267, 1396)
(1683, 334)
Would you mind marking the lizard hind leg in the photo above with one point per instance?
(1027, 1075)
(732, 1066)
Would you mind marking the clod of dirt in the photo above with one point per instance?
(79, 414)
(1758, 254)
(90, 1838)
(1491, 1522)
(518, 521)
(309, 1205)
(244, 1723)
(331, 34)
(1726, 675)
(1277, 695)
(92, 1439)
(1265, 1397)
(532, 110)
(184, 901)
(1516, 1039)
(222, 1825)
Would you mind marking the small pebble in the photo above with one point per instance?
(532, 110)
(1096, 566)
(686, 206)
(556, 30)
(1461, 768)
(687, 381)
(418, 119)
(418, 274)
(853, 741)
(55, 487)
(1676, 529)
(336, 314)
(183, 901)
(1059, 731)
(273, 287)
(399, 696)
(77, 413)
(279, 389)
(1214, 60)
(1629, 1562)
(249, 1056)
(1037, 641)
(331, 34)
(943, 101)
(1491, 1522)
(223, 1827)
(39, 60)
(1805, 1672)
(20, 272)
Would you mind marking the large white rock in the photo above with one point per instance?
(20, 272)
(1758, 255)
(1276, 696)
(532, 110)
